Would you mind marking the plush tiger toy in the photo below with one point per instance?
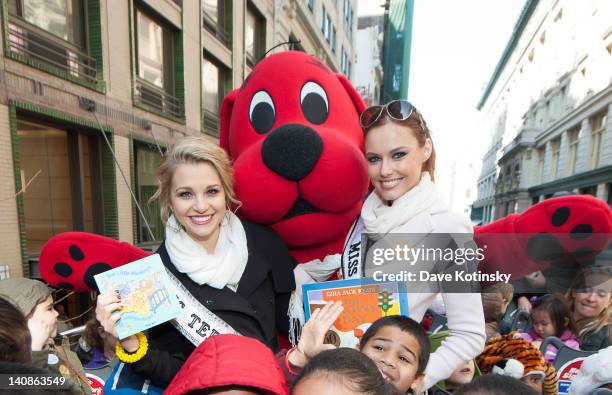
(512, 346)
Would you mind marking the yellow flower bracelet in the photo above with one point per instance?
(143, 347)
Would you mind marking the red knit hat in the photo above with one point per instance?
(224, 360)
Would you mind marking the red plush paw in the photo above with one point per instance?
(565, 229)
(573, 227)
(70, 260)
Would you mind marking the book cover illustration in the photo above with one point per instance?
(364, 301)
(146, 292)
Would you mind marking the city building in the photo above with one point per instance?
(461, 194)
(368, 65)
(396, 51)
(324, 28)
(547, 109)
(92, 91)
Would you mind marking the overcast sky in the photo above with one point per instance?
(455, 47)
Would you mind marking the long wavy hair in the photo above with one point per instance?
(584, 281)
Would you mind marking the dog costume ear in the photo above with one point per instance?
(355, 97)
(226, 116)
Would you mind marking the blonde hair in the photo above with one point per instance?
(193, 150)
(589, 326)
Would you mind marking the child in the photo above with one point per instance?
(398, 346)
(33, 298)
(98, 356)
(229, 364)
(537, 373)
(551, 317)
(493, 384)
(342, 371)
(495, 301)
(14, 335)
(460, 376)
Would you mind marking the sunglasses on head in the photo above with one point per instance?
(398, 110)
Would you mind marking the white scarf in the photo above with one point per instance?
(222, 268)
(380, 218)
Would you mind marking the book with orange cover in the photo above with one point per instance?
(364, 301)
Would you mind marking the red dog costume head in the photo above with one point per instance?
(292, 130)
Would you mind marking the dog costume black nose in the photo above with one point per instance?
(292, 151)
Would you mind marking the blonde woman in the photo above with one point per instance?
(590, 302)
(240, 271)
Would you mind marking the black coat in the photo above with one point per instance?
(597, 341)
(258, 309)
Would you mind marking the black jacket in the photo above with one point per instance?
(258, 309)
(597, 341)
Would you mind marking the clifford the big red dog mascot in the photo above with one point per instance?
(292, 131)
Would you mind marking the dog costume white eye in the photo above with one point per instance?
(262, 113)
(313, 100)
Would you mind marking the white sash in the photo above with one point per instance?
(196, 322)
(352, 263)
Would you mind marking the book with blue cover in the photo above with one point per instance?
(147, 294)
(364, 301)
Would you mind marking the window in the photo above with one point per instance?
(598, 124)
(540, 171)
(154, 52)
(66, 194)
(562, 94)
(507, 179)
(215, 19)
(516, 179)
(213, 9)
(4, 272)
(147, 159)
(572, 138)
(323, 20)
(52, 33)
(344, 63)
(255, 36)
(155, 85)
(350, 24)
(328, 28)
(311, 5)
(397, 78)
(214, 81)
(590, 190)
(555, 146)
(62, 18)
(348, 69)
(333, 40)
(346, 11)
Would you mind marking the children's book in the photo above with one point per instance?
(364, 301)
(148, 296)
